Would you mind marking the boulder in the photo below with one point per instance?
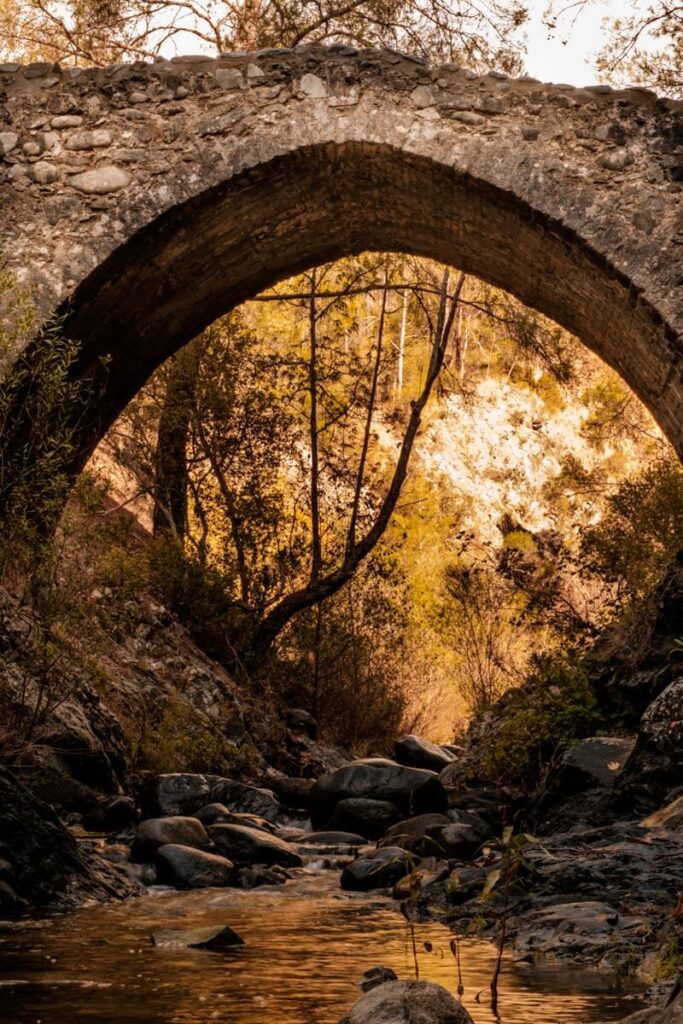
(156, 832)
(187, 868)
(115, 816)
(184, 793)
(416, 833)
(245, 845)
(378, 870)
(293, 793)
(216, 939)
(420, 753)
(407, 1002)
(567, 926)
(661, 726)
(218, 814)
(334, 839)
(434, 835)
(46, 864)
(595, 761)
(411, 790)
(255, 876)
(300, 721)
(369, 818)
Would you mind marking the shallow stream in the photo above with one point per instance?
(307, 943)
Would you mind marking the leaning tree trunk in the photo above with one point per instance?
(170, 489)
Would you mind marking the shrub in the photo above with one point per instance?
(531, 725)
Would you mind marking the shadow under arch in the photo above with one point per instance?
(203, 257)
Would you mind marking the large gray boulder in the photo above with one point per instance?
(407, 1002)
(185, 792)
(417, 752)
(369, 818)
(379, 870)
(410, 790)
(244, 845)
(156, 832)
(596, 761)
(186, 868)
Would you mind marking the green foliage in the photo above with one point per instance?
(556, 705)
(181, 739)
(640, 531)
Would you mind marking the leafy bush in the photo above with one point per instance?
(531, 725)
(641, 530)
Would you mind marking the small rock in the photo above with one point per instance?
(254, 72)
(229, 78)
(313, 87)
(66, 121)
(43, 173)
(100, 181)
(8, 141)
(376, 976)
(89, 140)
(617, 160)
(422, 97)
(216, 939)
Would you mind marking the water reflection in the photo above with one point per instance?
(307, 944)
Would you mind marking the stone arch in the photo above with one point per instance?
(566, 198)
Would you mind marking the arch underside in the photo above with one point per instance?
(206, 256)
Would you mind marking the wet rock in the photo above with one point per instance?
(566, 927)
(370, 818)
(380, 870)
(670, 1014)
(185, 793)
(156, 832)
(595, 761)
(293, 793)
(212, 813)
(187, 868)
(256, 876)
(245, 845)
(417, 752)
(216, 940)
(411, 790)
(407, 1002)
(376, 976)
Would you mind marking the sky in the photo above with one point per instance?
(569, 56)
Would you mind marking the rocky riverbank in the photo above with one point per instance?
(594, 859)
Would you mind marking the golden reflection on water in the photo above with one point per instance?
(307, 944)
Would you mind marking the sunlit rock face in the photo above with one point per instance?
(146, 200)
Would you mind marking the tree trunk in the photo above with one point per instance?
(170, 490)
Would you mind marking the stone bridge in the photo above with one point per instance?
(142, 201)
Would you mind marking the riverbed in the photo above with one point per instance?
(307, 944)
